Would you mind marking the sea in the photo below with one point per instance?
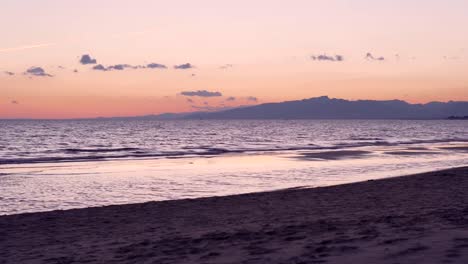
(48, 165)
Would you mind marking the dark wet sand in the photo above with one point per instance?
(413, 219)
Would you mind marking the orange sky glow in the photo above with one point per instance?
(248, 52)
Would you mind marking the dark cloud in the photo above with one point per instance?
(252, 99)
(184, 66)
(201, 93)
(99, 67)
(9, 73)
(120, 67)
(369, 56)
(37, 71)
(226, 66)
(324, 57)
(86, 59)
(189, 100)
(14, 102)
(75, 71)
(156, 66)
(231, 98)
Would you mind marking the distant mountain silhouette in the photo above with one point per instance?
(331, 108)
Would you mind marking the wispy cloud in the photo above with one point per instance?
(324, 57)
(100, 67)
(226, 66)
(156, 66)
(25, 47)
(9, 73)
(37, 71)
(252, 99)
(184, 66)
(231, 98)
(14, 102)
(201, 93)
(370, 56)
(121, 67)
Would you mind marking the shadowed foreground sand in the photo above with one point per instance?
(414, 219)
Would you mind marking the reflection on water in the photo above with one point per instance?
(52, 186)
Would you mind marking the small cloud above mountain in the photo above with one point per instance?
(201, 93)
(184, 66)
(252, 99)
(86, 59)
(37, 71)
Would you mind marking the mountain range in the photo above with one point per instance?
(327, 108)
(332, 108)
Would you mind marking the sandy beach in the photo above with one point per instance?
(412, 219)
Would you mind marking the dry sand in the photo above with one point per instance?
(413, 219)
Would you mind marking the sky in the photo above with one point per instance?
(152, 56)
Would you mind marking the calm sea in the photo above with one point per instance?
(49, 165)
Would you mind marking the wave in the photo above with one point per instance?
(73, 154)
(100, 150)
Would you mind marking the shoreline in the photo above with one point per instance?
(421, 218)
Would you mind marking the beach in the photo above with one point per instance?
(420, 218)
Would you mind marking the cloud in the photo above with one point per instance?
(14, 102)
(201, 93)
(120, 67)
(189, 100)
(226, 66)
(369, 56)
(86, 59)
(75, 71)
(37, 71)
(184, 66)
(156, 66)
(231, 98)
(99, 67)
(324, 57)
(9, 73)
(252, 99)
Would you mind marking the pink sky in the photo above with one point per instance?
(268, 43)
